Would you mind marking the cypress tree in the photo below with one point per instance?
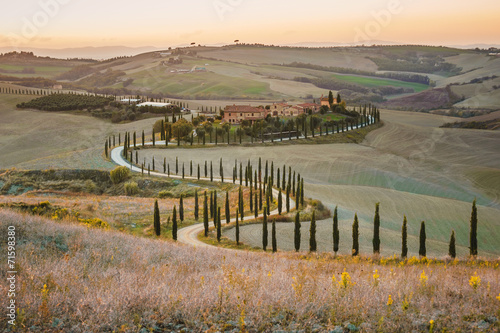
(228, 213)
(191, 168)
(355, 236)
(106, 148)
(218, 225)
(211, 172)
(260, 196)
(302, 192)
(153, 136)
(336, 234)
(182, 170)
(134, 140)
(293, 184)
(280, 202)
(237, 229)
(312, 233)
(241, 174)
(205, 214)
(174, 224)
(215, 202)
(422, 251)
(256, 205)
(404, 238)
(181, 208)
(157, 219)
(198, 171)
(164, 164)
(452, 250)
(264, 230)
(168, 170)
(265, 174)
(278, 178)
(296, 232)
(271, 181)
(376, 230)
(206, 169)
(211, 204)
(196, 204)
(273, 237)
(473, 230)
(240, 203)
(143, 138)
(260, 169)
(176, 165)
(153, 163)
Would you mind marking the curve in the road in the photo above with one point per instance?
(187, 235)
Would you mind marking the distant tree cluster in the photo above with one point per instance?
(66, 102)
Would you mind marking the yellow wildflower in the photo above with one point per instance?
(423, 279)
(389, 301)
(475, 281)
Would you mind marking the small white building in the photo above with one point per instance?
(130, 100)
(154, 104)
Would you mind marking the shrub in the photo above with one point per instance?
(165, 194)
(119, 174)
(131, 188)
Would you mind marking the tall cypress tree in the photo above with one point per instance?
(376, 230)
(174, 224)
(176, 165)
(241, 206)
(143, 140)
(205, 214)
(196, 204)
(336, 234)
(106, 148)
(211, 204)
(312, 233)
(273, 237)
(256, 206)
(264, 230)
(198, 176)
(404, 239)
(280, 202)
(211, 172)
(296, 232)
(228, 213)
(181, 208)
(422, 250)
(219, 234)
(452, 252)
(473, 230)
(157, 219)
(237, 229)
(355, 236)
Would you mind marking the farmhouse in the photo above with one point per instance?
(234, 114)
(324, 101)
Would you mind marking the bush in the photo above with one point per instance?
(119, 174)
(131, 188)
(165, 194)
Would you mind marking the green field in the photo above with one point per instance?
(39, 71)
(373, 82)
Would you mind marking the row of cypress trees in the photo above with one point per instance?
(376, 235)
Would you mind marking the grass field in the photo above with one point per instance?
(39, 71)
(377, 82)
(73, 274)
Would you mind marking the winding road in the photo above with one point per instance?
(187, 235)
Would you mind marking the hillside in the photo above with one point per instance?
(73, 274)
(257, 72)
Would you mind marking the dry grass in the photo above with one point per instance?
(103, 280)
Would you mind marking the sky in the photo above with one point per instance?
(162, 23)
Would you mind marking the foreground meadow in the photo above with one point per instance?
(76, 279)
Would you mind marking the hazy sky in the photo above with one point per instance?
(78, 23)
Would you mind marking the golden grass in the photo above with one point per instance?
(99, 280)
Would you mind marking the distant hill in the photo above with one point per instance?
(89, 52)
(389, 75)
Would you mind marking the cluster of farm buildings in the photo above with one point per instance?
(235, 114)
